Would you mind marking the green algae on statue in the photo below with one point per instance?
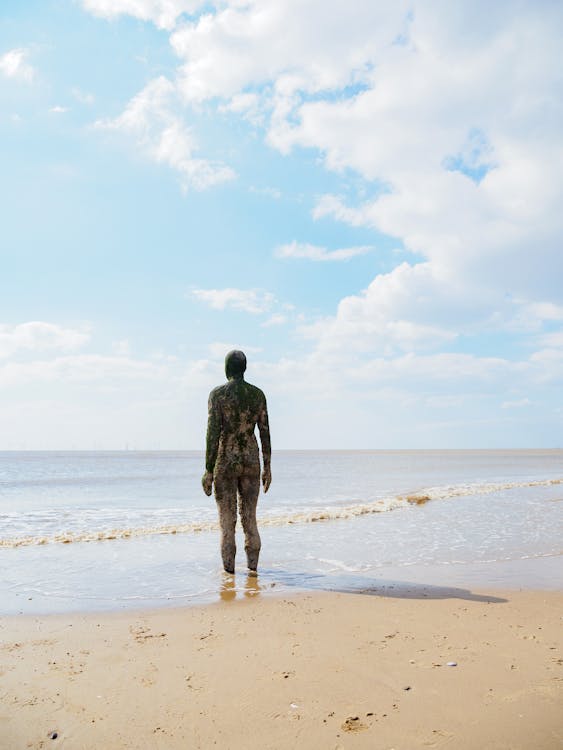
(232, 460)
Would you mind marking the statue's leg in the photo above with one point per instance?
(249, 489)
(226, 498)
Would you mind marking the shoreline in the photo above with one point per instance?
(543, 573)
(304, 669)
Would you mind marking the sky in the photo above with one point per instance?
(365, 196)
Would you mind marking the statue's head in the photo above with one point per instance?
(235, 364)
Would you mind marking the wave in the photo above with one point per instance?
(448, 491)
(334, 513)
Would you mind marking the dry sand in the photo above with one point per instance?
(322, 670)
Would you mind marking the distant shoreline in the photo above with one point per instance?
(192, 452)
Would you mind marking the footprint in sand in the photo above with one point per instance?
(353, 724)
(142, 634)
(438, 737)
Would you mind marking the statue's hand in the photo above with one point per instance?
(266, 478)
(207, 483)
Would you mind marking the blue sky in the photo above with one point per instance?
(365, 198)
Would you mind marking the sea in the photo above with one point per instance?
(89, 531)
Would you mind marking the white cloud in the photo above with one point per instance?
(314, 252)
(252, 301)
(152, 118)
(37, 336)
(546, 311)
(248, 105)
(438, 372)
(406, 310)
(80, 368)
(57, 109)
(333, 206)
(13, 64)
(82, 96)
(516, 404)
(163, 13)
(121, 348)
(553, 340)
(275, 320)
(255, 42)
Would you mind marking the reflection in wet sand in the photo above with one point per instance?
(252, 587)
(228, 590)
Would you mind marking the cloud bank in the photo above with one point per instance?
(448, 115)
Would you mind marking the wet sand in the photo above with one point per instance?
(312, 670)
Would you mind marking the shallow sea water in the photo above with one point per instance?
(89, 531)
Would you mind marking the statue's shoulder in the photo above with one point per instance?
(257, 393)
(219, 392)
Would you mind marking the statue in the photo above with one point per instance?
(232, 461)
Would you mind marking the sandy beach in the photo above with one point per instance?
(395, 667)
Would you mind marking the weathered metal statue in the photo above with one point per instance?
(232, 461)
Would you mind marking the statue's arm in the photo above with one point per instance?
(212, 442)
(264, 430)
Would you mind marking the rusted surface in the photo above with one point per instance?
(232, 461)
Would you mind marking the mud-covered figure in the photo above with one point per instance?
(232, 461)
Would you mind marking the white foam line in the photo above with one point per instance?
(326, 514)
(486, 488)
